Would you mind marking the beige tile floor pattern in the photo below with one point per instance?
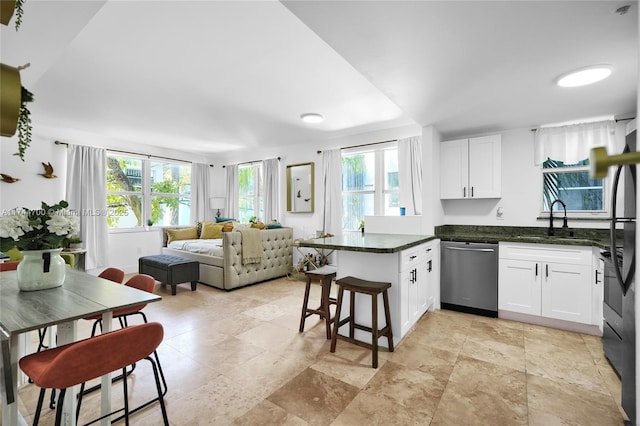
(237, 358)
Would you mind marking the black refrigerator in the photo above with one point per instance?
(626, 274)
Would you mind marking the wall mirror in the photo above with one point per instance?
(300, 188)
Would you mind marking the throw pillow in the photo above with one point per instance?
(224, 219)
(211, 230)
(182, 234)
(274, 226)
(227, 227)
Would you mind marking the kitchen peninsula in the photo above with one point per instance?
(408, 262)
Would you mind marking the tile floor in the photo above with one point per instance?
(237, 358)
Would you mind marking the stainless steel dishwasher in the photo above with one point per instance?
(469, 277)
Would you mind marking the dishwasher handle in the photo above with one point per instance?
(486, 250)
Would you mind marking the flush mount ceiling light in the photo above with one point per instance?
(312, 117)
(584, 76)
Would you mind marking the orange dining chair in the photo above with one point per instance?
(113, 274)
(76, 363)
(8, 266)
(141, 282)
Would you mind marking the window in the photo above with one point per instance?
(572, 184)
(369, 184)
(251, 198)
(139, 189)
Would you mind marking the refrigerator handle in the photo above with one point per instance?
(625, 282)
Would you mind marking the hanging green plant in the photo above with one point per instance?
(19, 13)
(24, 123)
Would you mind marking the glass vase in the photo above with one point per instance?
(41, 269)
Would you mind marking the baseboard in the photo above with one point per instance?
(550, 322)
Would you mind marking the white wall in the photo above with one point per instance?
(126, 247)
(32, 188)
(521, 199)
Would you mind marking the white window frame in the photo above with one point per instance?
(606, 189)
(379, 190)
(145, 193)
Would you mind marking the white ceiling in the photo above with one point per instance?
(218, 76)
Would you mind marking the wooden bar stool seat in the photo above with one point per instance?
(325, 275)
(372, 288)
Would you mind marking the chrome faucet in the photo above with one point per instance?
(564, 222)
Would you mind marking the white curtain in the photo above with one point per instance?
(271, 172)
(233, 192)
(410, 174)
(87, 194)
(573, 143)
(332, 198)
(200, 180)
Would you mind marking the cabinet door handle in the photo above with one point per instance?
(430, 267)
(412, 257)
(536, 269)
(546, 271)
(415, 275)
(597, 273)
(472, 191)
(464, 192)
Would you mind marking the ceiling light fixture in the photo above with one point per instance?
(312, 117)
(584, 76)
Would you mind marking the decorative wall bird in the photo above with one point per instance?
(48, 171)
(8, 178)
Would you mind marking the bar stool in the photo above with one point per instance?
(325, 275)
(372, 288)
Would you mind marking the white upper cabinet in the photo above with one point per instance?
(471, 168)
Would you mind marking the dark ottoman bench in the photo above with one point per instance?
(171, 270)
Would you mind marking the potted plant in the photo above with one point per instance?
(75, 243)
(361, 226)
(14, 113)
(40, 235)
(149, 223)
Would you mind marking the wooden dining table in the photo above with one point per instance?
(81, 295)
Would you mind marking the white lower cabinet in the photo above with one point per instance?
(550, 281)
(519, 286)
(566, 292)
(420, 282)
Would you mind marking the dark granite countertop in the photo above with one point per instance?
(493, 234)
(368, 242)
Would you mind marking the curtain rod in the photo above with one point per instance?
(364, 144)
(137, 153)
(251, 162)
(615, 119)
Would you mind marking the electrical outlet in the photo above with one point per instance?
(500, 214)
